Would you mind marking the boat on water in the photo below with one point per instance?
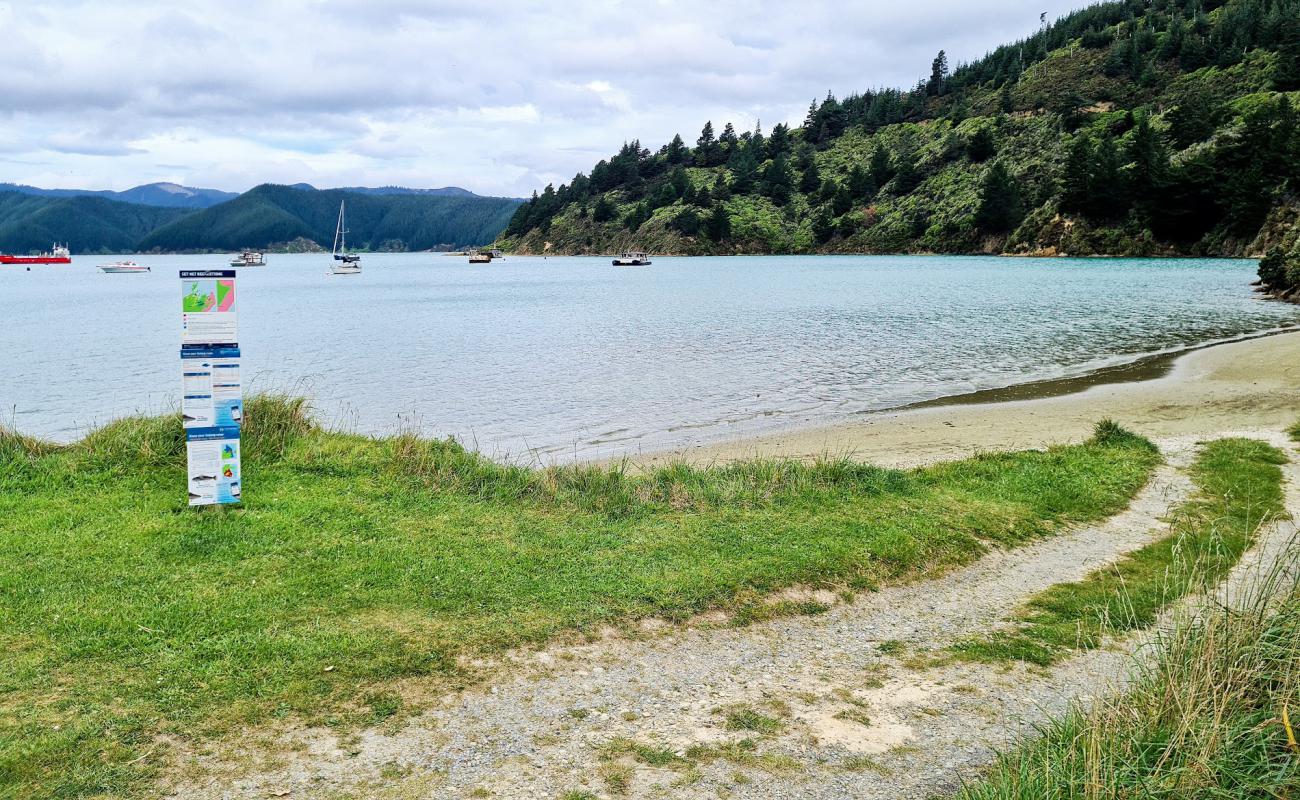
(496, 253)
(123, 267)
(632, 258)
(59, 254)
(249, 258)
(345, 263)
(480, 257)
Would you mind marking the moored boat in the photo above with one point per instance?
(123, 267)
(632, 258)
(345, 263)
(249, 258)
(59, 254)
(480, 257)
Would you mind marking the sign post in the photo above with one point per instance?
(212, 404)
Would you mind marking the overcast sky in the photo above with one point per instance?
(497, 97)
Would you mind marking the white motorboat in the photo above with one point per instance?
(123, 267)
(249, 258)
(632, 259)
(345, 263)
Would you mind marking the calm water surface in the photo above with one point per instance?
(569, 357)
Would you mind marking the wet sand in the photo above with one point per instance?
(1253, 384)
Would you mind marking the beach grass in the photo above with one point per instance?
(1214, 713)
(1294, 431)
(128, 620)
(1239, 489)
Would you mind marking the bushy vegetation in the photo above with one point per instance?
(354, 562)
(1129, 127)
(272, 214)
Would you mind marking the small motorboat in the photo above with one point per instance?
(480, 257)
(632, 259)
(249, 258)
(496, 253)
(123, 266)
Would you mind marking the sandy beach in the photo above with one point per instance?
(1253, 384)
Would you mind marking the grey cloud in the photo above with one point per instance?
(346, 92)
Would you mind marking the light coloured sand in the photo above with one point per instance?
(1253, 384)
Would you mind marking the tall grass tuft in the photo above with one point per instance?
(15, 445)
(1213, 715)
(273, 422)
(1110, 432)
(136, 442)
(1294, 431)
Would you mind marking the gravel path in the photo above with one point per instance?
(853, 714)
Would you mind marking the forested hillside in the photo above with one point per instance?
(31, 223)
(1132, 127)
(270, 215)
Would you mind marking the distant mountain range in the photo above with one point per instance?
(165, 195)
(267, 216)
(173, 195)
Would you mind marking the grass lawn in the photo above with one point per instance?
(1239, 487)
(356, 561)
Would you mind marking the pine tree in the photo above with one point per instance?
(706, 146)
(906, 175)
(687, 222)
(981, 145)
(1075, 180)
(779, 141)
(777, 182)
(1108, 196)
(880, 168)
(744, 169)
(604, 210)
(676, 152)
(841, 200)
(860, 184)
(999, 206)
(727, 142)
(823, 225)
(718, 226)
(1150, 166)
(1005, 100)
(938, 75)
(811, 179)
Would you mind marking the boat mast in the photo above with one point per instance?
(338, 229)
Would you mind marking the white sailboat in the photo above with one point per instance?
(345, 263)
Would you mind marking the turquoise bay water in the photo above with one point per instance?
(552, 359)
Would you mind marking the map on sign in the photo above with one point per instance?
(209, 295)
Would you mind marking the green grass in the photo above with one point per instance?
(1214, 715)
(1294, 431)
(1239, 489)
(355, 562)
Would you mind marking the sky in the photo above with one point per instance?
(497, 97)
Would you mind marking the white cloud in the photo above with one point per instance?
(500, 98)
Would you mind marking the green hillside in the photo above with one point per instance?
(1136, 127)
(270, 214)
(30, 223)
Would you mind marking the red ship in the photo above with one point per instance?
(58, 255)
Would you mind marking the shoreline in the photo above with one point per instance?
(1244, 384)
